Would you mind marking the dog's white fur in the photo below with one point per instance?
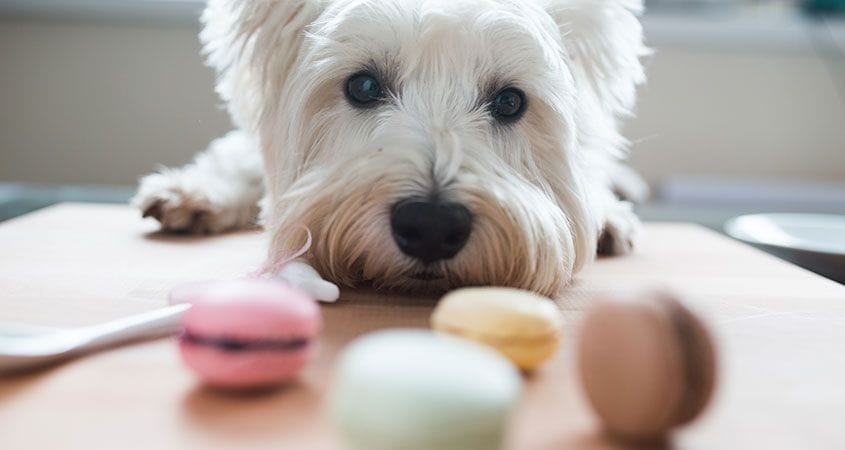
(542, 190)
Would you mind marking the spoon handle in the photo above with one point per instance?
(150, 325)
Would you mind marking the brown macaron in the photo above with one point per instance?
(647, 365)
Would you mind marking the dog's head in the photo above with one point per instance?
(431, 143)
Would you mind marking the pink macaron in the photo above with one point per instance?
(249, 333)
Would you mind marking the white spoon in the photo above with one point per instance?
(22, 351)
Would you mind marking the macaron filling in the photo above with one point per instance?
(698, 360)
(499, 340)
(234, 345)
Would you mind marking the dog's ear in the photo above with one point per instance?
(252, 44)
(604, 39)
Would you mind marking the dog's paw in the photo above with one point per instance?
(621, 232)
(164, 197)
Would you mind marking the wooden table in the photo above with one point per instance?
(781, 332)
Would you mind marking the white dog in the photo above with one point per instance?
(425, 144)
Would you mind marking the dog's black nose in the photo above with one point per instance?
(429, 230)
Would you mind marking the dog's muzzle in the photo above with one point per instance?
(430, 230)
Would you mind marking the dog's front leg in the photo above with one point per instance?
(621, 230)
(219, 191)
(299, 274)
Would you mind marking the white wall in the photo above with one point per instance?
(724, 113)
(106, 101)
(101, 103)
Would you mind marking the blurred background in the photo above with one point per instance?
(744, 110)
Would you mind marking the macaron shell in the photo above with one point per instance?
(243, 370)
(498, 312)
(251, 310)
(631, 369)
(529, 357)
(523, 326)
(416, 390)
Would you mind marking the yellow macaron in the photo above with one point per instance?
(525, 327)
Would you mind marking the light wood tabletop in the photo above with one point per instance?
(780, 333)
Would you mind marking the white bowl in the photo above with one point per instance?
(813, 241)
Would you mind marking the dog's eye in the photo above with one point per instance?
(509, 105)
(363, 90)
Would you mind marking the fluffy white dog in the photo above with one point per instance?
(426, 144)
